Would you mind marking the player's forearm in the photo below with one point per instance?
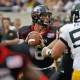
(51, 45)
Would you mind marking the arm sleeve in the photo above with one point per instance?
(63, 36)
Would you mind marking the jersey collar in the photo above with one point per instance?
(47, 29)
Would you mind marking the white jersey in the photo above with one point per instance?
(70, 36)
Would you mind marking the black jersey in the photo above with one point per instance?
(66, 63)
(65, 68)
(49, 35)
(13, 59)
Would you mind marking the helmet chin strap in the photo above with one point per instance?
(41, 22)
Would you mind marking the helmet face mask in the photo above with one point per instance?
(41, 15)
(75, 13)
(45, 17)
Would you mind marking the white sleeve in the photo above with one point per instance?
(63, 36)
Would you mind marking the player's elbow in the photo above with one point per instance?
(55, 56)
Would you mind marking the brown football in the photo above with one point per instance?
(34, 38)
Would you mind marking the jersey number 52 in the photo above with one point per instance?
(75, 37)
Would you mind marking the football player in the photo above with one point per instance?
(70, 37)
(65, 70)
(42, 20)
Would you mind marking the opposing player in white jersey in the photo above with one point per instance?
(70, 37)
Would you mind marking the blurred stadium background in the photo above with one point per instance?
(26, 17)
(22, 8)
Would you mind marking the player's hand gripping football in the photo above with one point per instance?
(41, 42)
(31, 33)
(34, 39)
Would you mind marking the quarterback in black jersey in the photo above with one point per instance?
(42, 19)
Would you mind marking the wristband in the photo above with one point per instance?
(43, 77)
(20, 41)
(48, 52)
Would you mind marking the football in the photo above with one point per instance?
(34, 38)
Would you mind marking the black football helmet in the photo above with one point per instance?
(75, 13)
(37, 12)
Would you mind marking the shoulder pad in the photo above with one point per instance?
(24, 28)
(65, 26)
